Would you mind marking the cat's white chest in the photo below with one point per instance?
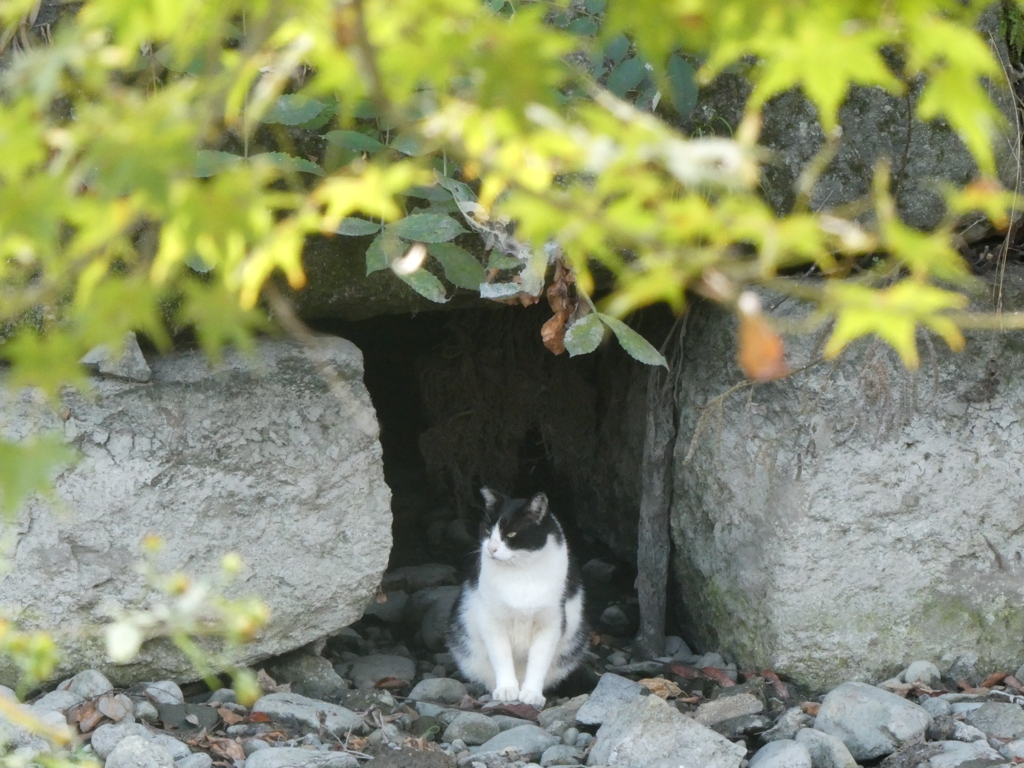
(523, 591)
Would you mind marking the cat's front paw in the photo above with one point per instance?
(533, 697)
(506, 693)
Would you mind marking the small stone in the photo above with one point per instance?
(965, 668)
(175, 748)
(922, 672)
(598, 571)
(458, 745)
(472, 728)
(560, 754)
(428, 728)
(584, 739)
(115, 706)
(565, 712)
(740, 727)
(390, 611)
(788, 724)
(387, 734)
(673, 643)
(108, 736)
(958, 754)
(60, 701)
(308, 673)
(618, 659)
(128, 363)
(290, 757)
(505, 722)
(826, 751)
(195, 760)
(435, 624)
(934, 706)
(144, 710)
(337, 720)
(612, 692)
(87, 685)
(529, 741)
(712, 660)
(569, 736)
(646, 729)
(444, 690)
(870, 721)
(420, 602)
(784, 753)
(727, 708)
(615, 620)
(223, 696)
(138, 752)
(252, 745)
(365, 672)
(165, 692)
(998, 720)
(413, 578)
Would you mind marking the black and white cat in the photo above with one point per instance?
(518, 625)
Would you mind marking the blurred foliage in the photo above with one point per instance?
(162, 159)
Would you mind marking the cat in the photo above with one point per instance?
(518, 625)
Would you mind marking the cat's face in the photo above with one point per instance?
(512, 528)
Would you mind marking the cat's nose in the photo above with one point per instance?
(491, 548)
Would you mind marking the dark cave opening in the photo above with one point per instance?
(471, 397)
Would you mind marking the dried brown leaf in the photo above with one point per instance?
(810, 708)
(552, 333)
(718, 675)
(761, 354)
(685, 671)
(229, 717)
(994, 679)
(661, 687)
(391, 683)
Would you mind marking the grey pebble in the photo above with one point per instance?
(472, 728)
(727, 708)
(144, 710)
(584, 739)
(337, 720)
(784, 753)
(109, 735)
(290, 757)
(569, 736)
(922, 672)
(195, 760)
(60, 701)
(826, 751)
(998, 720)
(560, 754)
(935, 706)
(528, 740)
(444, 690)
(612, 692)
(87, 685)
(365, 672)
(223, 696)
(165, 692)
(138, 752)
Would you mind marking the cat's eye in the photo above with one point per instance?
(511, 534)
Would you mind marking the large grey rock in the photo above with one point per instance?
(869, 721)
(612, 692)
(876, 126)
(257, 456)
(646, 729)
(805, 540)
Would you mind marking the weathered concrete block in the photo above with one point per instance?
(854, 517)
(257, 457)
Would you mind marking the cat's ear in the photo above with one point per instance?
(490, 498)
(537, 508)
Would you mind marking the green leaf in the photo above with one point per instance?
(617, 49)
(434, 194)
(498, 260)
(354, 140)
(408, 144)
(594, 6)
(288, 162)
(354, 227)
(636, 345)
(196, 263)
(426, 285)
(385, 248)
(584, 26)
(427, 228)
(293, 109)
(210, 162)
(460, 266)
(626, 76)
(218, 319)
(27, 468)
(584, 336)
(682, 78)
